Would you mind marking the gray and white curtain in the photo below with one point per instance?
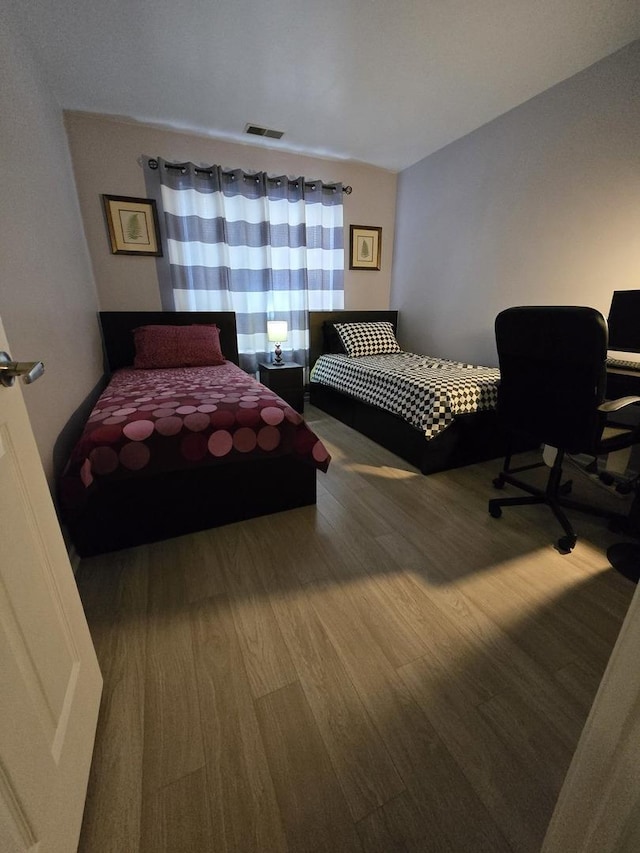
(268, 248)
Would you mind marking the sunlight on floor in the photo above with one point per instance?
(383, 471)
(549, 575)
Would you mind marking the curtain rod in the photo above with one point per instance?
(153, 164)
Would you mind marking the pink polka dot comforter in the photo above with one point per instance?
(165, 420)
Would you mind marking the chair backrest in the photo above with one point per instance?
(552, 374)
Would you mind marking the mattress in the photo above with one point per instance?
(426, 391)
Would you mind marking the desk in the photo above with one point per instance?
(622, 383)
(625, 383)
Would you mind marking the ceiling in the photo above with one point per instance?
(384, 82)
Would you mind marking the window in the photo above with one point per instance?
(268, 248)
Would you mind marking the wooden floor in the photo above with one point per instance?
(392, 670)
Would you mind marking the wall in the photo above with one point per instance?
(106, 156)
(48, 298)
(541, 206)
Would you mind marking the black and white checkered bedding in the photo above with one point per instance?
(427, 392)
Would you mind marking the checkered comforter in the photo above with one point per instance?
(427, 392)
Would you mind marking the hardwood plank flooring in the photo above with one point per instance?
(360, 758)
(240, 789)
(391, 671)
(177, 816)
(173, 737)
(265, 655)
(313, 809)
(115, 601)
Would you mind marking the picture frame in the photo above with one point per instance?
(365, 247)
(132, 224)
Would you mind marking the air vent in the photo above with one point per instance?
(263, 131)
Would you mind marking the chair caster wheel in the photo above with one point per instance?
(494, 511)
(566, 544)
(565, 488)
(498, 483)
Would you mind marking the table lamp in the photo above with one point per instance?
(277, 333)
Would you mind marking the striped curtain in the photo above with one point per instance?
(268, 248)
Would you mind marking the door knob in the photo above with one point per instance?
(29, 370)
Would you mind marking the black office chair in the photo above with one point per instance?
(552, 391)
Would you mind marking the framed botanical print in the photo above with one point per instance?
(133, 225)
(365, 247)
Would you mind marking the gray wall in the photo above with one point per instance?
(540, 206)
(48, 299)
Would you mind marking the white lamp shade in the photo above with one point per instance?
(277, 331)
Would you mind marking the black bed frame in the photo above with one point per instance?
(117, 331)
(470, 438)
(131, 512)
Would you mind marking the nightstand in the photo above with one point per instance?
(286, 381)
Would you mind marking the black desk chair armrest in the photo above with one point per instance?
(616, 405)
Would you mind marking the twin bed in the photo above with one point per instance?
(435, 413)
(182, 439)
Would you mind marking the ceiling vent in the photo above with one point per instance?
(263, 131)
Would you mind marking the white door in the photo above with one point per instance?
(50, 683)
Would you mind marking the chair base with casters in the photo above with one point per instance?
(554, 495)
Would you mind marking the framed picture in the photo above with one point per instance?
(366, 247)
(133, 225)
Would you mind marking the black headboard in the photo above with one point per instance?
(318, 319)
(117, 331)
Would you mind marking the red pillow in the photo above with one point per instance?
(177, 346)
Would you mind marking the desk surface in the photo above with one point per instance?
(623, 364)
